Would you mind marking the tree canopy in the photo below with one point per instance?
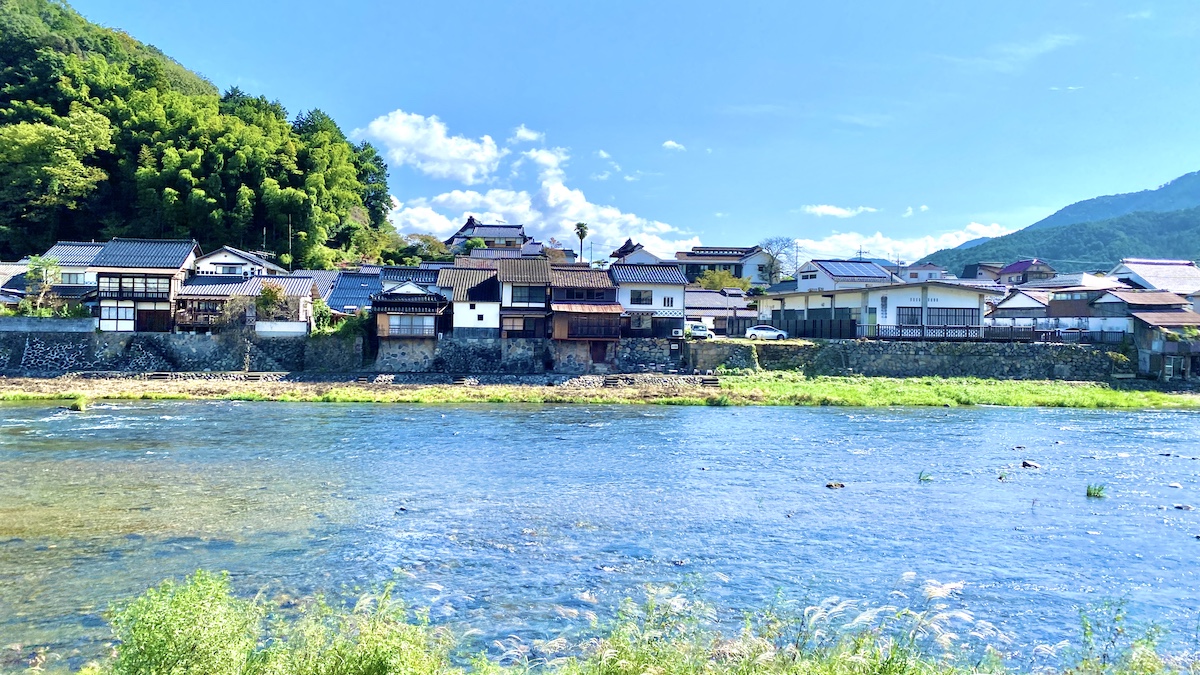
(103, 136)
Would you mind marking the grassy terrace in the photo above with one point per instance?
(201, 627)
(759, 389)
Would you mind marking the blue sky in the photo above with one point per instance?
(900, 127)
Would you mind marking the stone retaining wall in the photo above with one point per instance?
(30, 324)
(705, 355)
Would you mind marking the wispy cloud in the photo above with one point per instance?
(908, 213)
(1065, 88)
(1015, 56)
(719, 214)
(843, 244)
(603, 155)
(821, 210)
(524, 134)
(753, 109)
(603, 175)
(868, 120)
(1140, 16)
(672, 145)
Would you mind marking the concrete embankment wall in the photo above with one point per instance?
(1011, 361)
(521, 356)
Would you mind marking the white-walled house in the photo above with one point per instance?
(652, 297)
(934, 303)
(836, 275)
(634, 254)
(74, 258)
(1177, 276)
(747, 262)
(137, 281)
(230, 261)
(475, 300)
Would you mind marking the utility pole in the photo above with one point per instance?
(291, 261)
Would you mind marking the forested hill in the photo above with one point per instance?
(1177, 195)
(103, 136)
(1089, 246)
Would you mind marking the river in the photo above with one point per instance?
(528, 520)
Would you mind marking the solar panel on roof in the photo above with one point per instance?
(845, 268)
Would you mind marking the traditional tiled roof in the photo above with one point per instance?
(74, 253)
(12, 277)
(219, 286)
(1040, 297)
(667, 273)
(473, 228)
(417, 275)
(431, 265)
(496, 253)
(352, 292)
(477, 263)
(1082, 279)
(1168, 319)
(706, 299)
(587, 308)
(72, 291)
(165, 254)
(1022, 266)
(523, 270)
(717, 252)
(1177, 276)
(247, 256)
(579, 276)
(469, 284)
(324, 279)
(1148, 298)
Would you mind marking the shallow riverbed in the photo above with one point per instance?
(527, 520)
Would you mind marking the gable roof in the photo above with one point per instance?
(1022, 265)
(217, 286)
(324, 279)
(853, 270)
(523, 270)
(1040, 297)
(352, 291)
(470, 284)
(718, 252)
(12, 276)
(246, 255)
(473, 228)
(579, 276)
(418, 275)
(1168, 319)
(1177, 276)
(1146, 298)
(74, 253)
(165, 254)
(634, 273)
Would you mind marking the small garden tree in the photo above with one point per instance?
(715, 280)
(40, 278)
(474, 243)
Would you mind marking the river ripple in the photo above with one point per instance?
(520, 520)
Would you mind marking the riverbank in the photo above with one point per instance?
(201, 626)
(779, 388)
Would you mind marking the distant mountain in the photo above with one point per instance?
(973, 243)
(1177, 195)
(1089, 246)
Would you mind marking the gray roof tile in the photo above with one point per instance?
(166, 254)
(647, 274)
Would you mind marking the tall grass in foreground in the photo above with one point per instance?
(198, 627)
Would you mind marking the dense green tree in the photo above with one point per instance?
(103, 136)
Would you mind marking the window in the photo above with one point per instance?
(762, 269)
(229, 269)
(914, 275)
(668, 301)
(584, 294)
(908, 316)
(75, 278)
(940, 316)
(410, 324)
(883, 307)
(116, 313)
(525, 324)
(110, 284)
(472, 305)
(641, 321)
(809, 275)
(479, 317)
(529, 294)
(637, 297)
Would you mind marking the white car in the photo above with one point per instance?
(765, 333)
(699, 331)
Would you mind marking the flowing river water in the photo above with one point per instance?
(529, 520)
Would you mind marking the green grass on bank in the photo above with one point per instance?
(199, 627)
(769, 388)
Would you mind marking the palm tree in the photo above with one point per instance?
(581, 231)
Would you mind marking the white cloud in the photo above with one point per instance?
(603, 175)
(551, 210)
(629, 178)
(1013, 57)
(524, 134)
(672, 145)
(603, 155)
(821, 210)
(720, 214)
(424, 143)
(924, 208)
(846, 244)
(868, 120)
(708, 150)
(908, 212)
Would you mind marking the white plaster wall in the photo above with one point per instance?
(465, 317)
